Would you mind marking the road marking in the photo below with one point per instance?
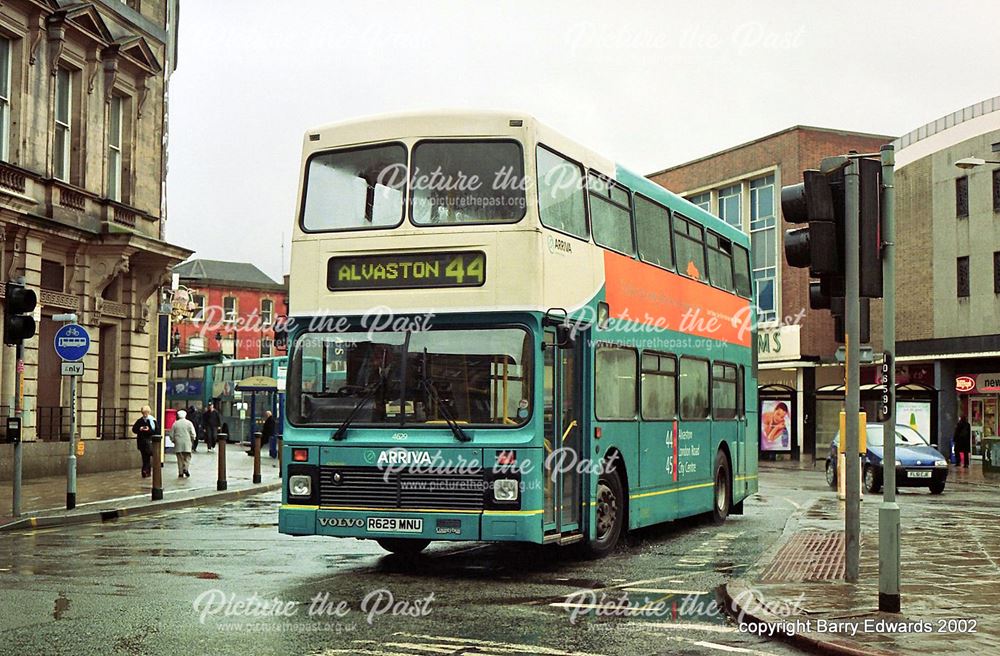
(718, 647)
(667, 592)
(498, 646)
(684, 626)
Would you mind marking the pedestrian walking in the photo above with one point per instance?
(195, 419)
(963, 441)
(144, 429)
(267, 432)
(211, 421)
(182, 434)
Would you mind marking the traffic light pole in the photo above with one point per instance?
(18, 412)
(888, 512)
(852, 528)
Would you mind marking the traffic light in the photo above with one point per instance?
(818, 246)
(869, 232)
(18, 304)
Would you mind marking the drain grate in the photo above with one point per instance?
(808, 556)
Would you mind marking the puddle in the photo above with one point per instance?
(61, 606)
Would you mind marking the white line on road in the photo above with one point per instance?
(667, 592)
(502, 646)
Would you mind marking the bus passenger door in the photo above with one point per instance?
(563, 435)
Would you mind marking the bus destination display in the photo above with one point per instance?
(406, 271)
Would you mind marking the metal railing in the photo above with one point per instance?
(53, 423)
(113, 424)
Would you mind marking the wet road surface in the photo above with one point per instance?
(220, 579)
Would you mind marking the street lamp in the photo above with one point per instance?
(973, 162)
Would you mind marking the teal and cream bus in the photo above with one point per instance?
(517, 340)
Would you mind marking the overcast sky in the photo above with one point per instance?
(648, 84)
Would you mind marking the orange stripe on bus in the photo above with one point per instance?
(645, 294)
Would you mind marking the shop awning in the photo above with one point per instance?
(194, 360)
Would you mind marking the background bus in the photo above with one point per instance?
(563, 305)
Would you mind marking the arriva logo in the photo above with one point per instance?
(401, 457)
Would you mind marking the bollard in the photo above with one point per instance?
(157, 470)
(256, 457)
(220, 445)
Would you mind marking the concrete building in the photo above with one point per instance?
(82, 161)
(948, 263)
(796, 346)
(233, 309)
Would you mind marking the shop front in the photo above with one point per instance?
(979, 403)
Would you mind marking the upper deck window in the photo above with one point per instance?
(355, 189)
(611, 215)
(462, 182)
(561, 202)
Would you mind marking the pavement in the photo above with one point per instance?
(105, 496)
(950, 555)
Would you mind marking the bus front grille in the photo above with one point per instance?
(370, 487)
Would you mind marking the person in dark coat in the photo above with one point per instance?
(211, 421)
(144, 429)
(266, 432)
(195, 419)
(963, 441)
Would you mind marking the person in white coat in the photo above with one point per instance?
(182, 434)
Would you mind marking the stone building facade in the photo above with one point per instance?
(796, 347)
(82, 163)
(948, 269)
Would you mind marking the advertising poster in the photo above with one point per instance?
(775, 425)
(916, 415)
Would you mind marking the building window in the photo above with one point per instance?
(266, 311)
(115, 149)
(729, 205)
(198, 309)
(963, 277)
(764, 247)
(229, 309)
(196, 345)
(996, 272)
(265, 347)
(962, 196)
(4, 99)
(62, 143)
(53, 276)
(996, 190)
(704, 201)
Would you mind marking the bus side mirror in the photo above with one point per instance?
(565, 336)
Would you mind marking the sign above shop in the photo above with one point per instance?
(779, 343)
(978, 383)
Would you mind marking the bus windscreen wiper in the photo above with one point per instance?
(425, 382)
(370, 393)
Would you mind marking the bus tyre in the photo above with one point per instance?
(403, 546)
(723, 493)
(609, 513)
(831, 474)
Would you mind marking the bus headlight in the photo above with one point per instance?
(300, 486)
(505, 489)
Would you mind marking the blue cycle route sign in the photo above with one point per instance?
(72, 342)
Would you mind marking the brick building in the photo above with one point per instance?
(234, 306)
(82, 129)
(796, 347)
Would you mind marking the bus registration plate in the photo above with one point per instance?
(395, 524)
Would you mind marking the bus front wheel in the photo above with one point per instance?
(610, 513)
(403, 546)
(723, 494)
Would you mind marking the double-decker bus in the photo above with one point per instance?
(534, 343)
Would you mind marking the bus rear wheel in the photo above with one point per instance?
(723, 493)
(610, 513)
(403, 546)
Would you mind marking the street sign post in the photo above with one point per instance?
(72, 342)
